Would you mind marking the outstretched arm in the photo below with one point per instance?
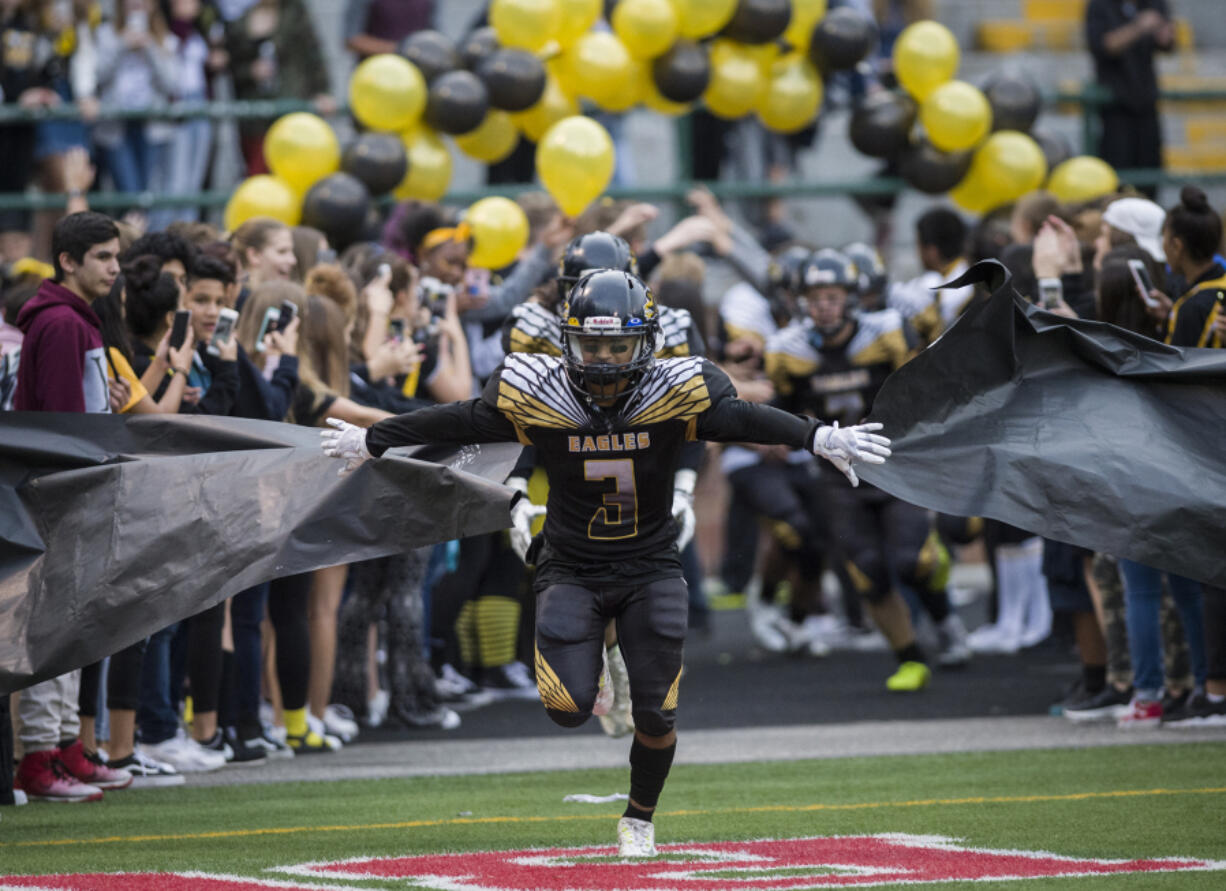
(455, 422)
(730, 419)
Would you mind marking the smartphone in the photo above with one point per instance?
(395, 329)
(1140, 275)
(287, 314)
(1051, 292)
(224, 330)
(178, 331)
(268, 324)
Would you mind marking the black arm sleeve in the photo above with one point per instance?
(525, 465)
(730, 419)
(455, 422)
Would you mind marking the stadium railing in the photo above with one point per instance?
(1088, 99)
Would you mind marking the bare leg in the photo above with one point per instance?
(327, 586)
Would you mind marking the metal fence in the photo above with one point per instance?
(1088, 100)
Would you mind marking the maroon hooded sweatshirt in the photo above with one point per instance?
(63, 363)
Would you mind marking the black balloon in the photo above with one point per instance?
(931, 170)
(337, 206)
(457, 103)
(881, 124)
(1015, 101)
(1057, 148)
(682, 73)
(759, 21)
(476, 46)
(433, 53)
(379, 160)
(842, 39)
(514, 78)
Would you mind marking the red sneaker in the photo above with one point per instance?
(44, 778)
(1142, 713)
(91, 769)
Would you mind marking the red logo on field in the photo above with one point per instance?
(860, 861)
(852, 861)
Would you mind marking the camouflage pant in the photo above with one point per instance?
(1174, 645)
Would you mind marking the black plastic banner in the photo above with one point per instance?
(1075, 430)
(113, 527)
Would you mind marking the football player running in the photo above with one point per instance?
(608, 421)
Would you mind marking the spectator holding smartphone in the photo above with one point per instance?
(1191, 238)
(63, 368)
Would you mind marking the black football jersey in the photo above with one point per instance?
(610, 470)
(836, 383)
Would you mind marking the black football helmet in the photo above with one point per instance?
(596, 250)
(827, 268)
(784, 272)
(871, 273)
(609, 303)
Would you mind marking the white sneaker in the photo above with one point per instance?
(636, 838)
(376, 708)
(813, 631)
(19, 798)
(316, 726)
(769, 630)
(338, 720)
(620, 720)
(148, 773)
(184, 754)
(604, 687)
(951, 634)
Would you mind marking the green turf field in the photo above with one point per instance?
(1120, 802)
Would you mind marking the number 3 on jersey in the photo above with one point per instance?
(619, 516)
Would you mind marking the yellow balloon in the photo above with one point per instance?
(956, 115)
(575, 19)
(702, 18)
(262, 196)
(737, 81)
(971, 196)
(300, 149)
(1082, 178)
(387, 93)
(554, 105)
(647, 27)
(575, 162)
(598, 66)
(805, 16)
(429, 166)
(500, 231)
(793, 95)
(493, 140)
(525, 24)
(633, 89)
(1009, 165)
(926, 55)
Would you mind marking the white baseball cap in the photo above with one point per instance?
(1140, 218)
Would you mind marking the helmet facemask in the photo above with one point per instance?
(608, 364)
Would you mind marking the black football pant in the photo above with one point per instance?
(651, 622)
(877, 537)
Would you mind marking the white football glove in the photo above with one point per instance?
(347, 442)
(844, 446)
(523, 514)
(683, 506)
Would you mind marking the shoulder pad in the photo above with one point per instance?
(534, 391)
(675, 327)
(672, 390)
(534, 329)
(744, 309)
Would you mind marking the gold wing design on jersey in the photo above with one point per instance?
(879, 339)
(534, 329)
(552, 691)
(675, 326)
(788, 355)
(673, 390)
(533, 391)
